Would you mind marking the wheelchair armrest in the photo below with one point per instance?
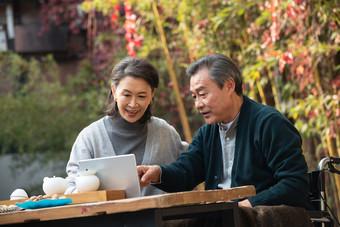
(331, 167)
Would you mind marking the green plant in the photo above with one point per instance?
(38, 114)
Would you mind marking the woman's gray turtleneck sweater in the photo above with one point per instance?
(162, 145)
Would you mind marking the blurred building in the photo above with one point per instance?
(21, 32)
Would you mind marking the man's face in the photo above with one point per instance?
(213, 102)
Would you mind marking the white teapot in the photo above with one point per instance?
(87, 181)
(55, 185)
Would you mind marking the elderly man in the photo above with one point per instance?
(243, 143)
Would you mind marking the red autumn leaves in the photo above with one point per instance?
(133, 39)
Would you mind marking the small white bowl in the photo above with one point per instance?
(18, 194)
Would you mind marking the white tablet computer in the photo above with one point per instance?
(115, 173)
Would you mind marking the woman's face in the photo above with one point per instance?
(133, 96)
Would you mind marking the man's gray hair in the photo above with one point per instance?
(220, 68)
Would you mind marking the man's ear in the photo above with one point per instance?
(229, 85)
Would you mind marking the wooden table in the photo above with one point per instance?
(143, 211)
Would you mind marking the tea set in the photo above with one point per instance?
(86, 181)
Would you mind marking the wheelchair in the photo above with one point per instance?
(317, 193)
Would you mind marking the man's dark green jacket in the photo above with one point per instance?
(268, 155)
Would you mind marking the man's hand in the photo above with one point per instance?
(245, 203)
(148, 174)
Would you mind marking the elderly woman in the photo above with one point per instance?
(128, 127)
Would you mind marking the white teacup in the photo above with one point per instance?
(18, 194)
(87, 181)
